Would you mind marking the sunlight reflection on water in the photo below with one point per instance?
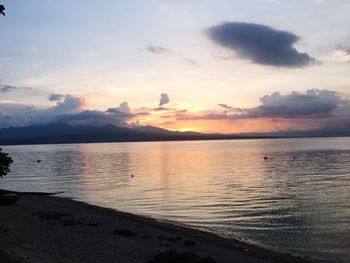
(297, 205)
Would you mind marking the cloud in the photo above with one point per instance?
(314, 104)
(95, 118)
(180, 113)
(341, 54)
(68, 109)
(260, 44)
(226, 107)
(56, 97)
(314, 109)
(162, 50)
(141, 114)
(164, 99)
(157, 49)
(344, 49)
(9, 88)
(123, 107)
(160, 109)
(229, 108)
(69, 104)
(13, 114)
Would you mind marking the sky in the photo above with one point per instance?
(209, 66)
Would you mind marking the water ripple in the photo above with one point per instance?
(298, 205)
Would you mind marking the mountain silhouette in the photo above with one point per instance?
(65, 133)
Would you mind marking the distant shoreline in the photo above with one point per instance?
(44, 228)
(173, 140)
(59, 133)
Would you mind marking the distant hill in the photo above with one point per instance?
(65, 133)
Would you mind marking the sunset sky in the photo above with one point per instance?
(210, 66)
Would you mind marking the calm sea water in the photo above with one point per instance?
(299, 205)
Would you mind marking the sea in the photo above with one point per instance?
(289, 195)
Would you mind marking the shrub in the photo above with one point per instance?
(5, 162)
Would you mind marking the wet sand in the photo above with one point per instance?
(40, 228)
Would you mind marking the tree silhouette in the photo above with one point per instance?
(5, 159)
(5, 162)
(2, 10)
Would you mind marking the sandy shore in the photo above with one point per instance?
(47, 229)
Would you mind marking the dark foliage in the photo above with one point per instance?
(2, 10)
(5, 162)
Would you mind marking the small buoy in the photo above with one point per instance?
(266, 158)
(132, 175)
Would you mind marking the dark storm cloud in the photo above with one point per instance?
(157, 49)
(260, 44)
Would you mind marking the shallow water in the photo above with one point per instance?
(296, 205)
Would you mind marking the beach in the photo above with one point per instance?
(44, 228)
